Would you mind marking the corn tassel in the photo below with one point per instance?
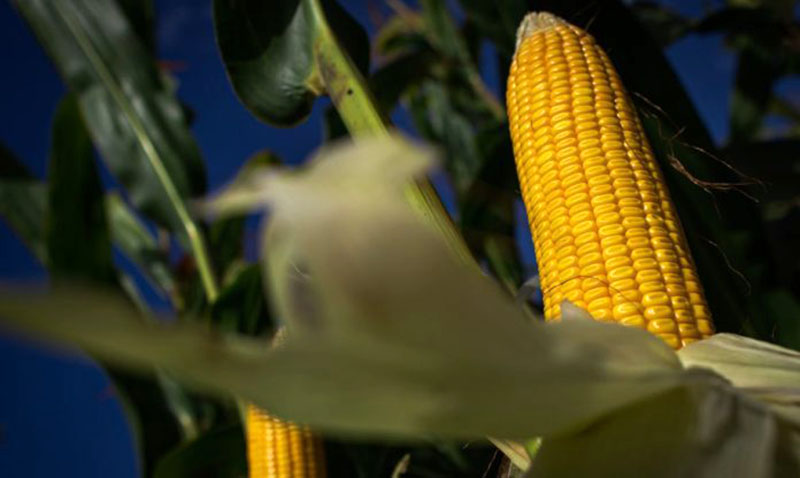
(605, 230)
(277, 449)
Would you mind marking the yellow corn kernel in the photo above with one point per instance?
(605, 229)
(277, 449)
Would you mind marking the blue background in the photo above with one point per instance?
(58, 414)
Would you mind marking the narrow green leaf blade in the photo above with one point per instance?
(131, 113)
(134, 240)
(78, 242)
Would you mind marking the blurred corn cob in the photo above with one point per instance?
(277, 449)
(606, 232)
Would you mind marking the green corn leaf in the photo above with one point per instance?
(77, 236)
(271, 52)
(129, 110)
(24, 204)
(135, 241)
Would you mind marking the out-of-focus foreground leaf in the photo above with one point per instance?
(129, 109)
(367, 347)
(363, 357)
(78, 242)
(347, 328)
(701, 432)
(271, 52)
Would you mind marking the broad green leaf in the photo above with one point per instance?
(271, 52)
(23, 203)
(77, 236)
(218, 453)
(130, 112)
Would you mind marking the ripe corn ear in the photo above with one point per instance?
(606, 233)
(277, 449)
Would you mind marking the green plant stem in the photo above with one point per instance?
(195, 238)
(347, 89)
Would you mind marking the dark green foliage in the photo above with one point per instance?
(220, 453)
(269, 53)
(23, 202)
(129, 108)
(421, 460)
(78, 242)
(241, 306)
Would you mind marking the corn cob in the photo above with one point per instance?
(277, 449)
(605, 230)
